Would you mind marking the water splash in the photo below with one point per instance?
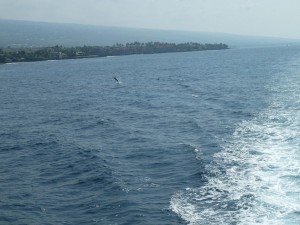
(255, 179)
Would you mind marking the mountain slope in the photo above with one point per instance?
(25, 34)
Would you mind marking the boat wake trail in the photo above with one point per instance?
(255, 179)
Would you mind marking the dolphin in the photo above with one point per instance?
(116, 79)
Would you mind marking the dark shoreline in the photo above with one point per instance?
(11, 55)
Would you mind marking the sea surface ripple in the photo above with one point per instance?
(183, 138)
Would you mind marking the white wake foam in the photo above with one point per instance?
(255, 179)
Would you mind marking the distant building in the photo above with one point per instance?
(79, 53)
(61, 55)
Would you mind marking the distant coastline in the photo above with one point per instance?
(10, 55)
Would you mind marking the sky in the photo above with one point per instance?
(277, 18)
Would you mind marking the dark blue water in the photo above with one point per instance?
(183, 138)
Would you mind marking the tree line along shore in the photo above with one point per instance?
(9, 55)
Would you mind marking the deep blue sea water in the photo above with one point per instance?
(184, 138)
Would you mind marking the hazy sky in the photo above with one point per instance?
(255, 17)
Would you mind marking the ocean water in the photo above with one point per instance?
(183, 138)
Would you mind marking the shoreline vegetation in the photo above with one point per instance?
(10, 55)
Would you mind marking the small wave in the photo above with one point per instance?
(196, 149)
(255, 178)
